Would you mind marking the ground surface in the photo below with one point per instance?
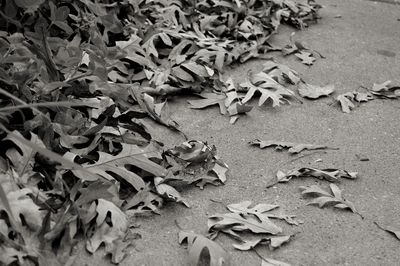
(354, 46)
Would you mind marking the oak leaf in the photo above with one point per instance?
(313, 92)
(209, 99)
(281, 73)
(272, 242)
(169, 192)
(199, 246)
(268, 87)
(272, 262)
(345, 101)
(306, 57)
(106, 232)
(293, 148)
(261, 211)
(324, 198)
(331, 175)
(390, 229)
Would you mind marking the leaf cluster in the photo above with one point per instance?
(79, 81)
(384, 90)
(254, 220)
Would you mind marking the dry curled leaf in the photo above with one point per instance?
(231, 223)
(313, 92)
(281, 73)
(268, 87)
(386, 90)
(24, 210)
(324, 198)
(106, 232)
(345, 101)
(306, 57)
(261, 211)
(195, 162)
(168, 191)
(272, 242)
(228, 100)
(113, 167)
(390, 229)
(200, 246)
(209, 99)
(293, 148)
(331, 175)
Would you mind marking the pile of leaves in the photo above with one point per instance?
(79, 81)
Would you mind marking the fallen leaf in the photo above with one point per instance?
(261, 211)
(281, 73)
(168, 191)
(111, 167)
(386, 90)
(209, 100)
(345, 101)
(314, 92)
(200, 246)
(268, 87)
(324, 198)
(195, 162)
(238, 223)
(390, 229)
(105, 232)
(381, 87)
(363, 96)
(24, 210)
(306, 57)
(294, 148)
(272, 242)
(331, 175)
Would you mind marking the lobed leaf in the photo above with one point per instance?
(199, 246)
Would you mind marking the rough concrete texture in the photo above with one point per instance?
(361, 47)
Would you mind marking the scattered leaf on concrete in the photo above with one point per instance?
(386, 90)
(107, 232)
(324, 198)
(281, 73)
(390, 229)
(306, 58)
(231, 223)
(261, 211)
(272, 242)
(209, 99)
(313, 92)
(294, 148)
(363, 96)
(331, 175)
(199, 246)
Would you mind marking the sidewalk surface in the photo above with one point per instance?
(361, 42)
